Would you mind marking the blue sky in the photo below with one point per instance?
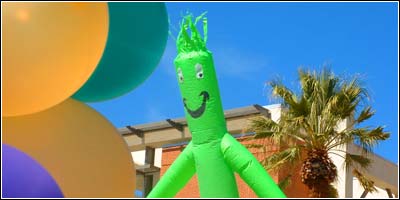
(255, 42)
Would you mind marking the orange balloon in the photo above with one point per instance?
(81, 149)
(50, 49)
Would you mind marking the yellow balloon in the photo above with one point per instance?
(50, 49)
(82, 151)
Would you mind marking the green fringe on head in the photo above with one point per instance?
(184, 42)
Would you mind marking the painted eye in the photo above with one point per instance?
(180, 75)
(199, 71)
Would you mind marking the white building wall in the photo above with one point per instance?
(358, 191)
(139, 157)
(158, 157)
(344, 182)
(275, 110)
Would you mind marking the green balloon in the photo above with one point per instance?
(137, 37)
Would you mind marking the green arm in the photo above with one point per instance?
(249, 169)
(176, 177)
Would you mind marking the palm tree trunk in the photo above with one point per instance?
(321, 189)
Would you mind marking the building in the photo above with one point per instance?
(156, 145)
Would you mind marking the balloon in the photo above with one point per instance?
(23, 177)
(137, 38)
(81, 149)
(49, 51)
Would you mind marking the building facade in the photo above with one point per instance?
(156, 145)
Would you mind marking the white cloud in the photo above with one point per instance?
(154, 114)
(229, 61)
(167, 61)
(236, 63)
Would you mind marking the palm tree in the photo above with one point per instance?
(307, 129)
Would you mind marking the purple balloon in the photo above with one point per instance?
(23, 177)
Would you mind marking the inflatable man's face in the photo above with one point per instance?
(197, 79)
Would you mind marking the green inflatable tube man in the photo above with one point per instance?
(212, 153)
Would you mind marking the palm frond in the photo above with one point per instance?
(369, 138)
(365, 114)
(353, 160)
(262, 124)
(308, 83)
(263, 134)
(288, 155)
(279, 90)
(284, 183)
(365, 182)
(255, 146)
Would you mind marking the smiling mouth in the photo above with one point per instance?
(199, 111)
